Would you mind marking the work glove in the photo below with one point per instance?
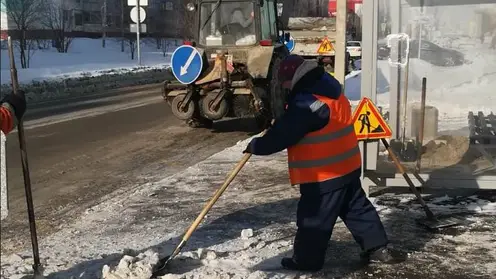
(248, 148)
(17, 102)
(267, 125)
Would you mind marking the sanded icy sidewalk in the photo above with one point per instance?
(155, 215)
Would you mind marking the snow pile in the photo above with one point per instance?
(451, 150)
(139, 267)
(251, 228)
(86, 57)
(260, 259)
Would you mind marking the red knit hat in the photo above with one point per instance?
(288, 67)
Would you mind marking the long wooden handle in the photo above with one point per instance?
(219, 193)
(216, 196)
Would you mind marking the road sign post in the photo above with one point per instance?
(186, 64)
(104, 22)
(138, 15)
(138, 31)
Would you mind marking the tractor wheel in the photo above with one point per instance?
(277, 93)
(176, 108)
(221, 111)
(198, 120)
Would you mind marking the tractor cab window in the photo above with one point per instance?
(227, 23)
(269, 20)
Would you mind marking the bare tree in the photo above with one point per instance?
(58, 18)
(187, 22)
(25, 14)
(168, 46)
(31, 46)
(131, 42)
(165, 46)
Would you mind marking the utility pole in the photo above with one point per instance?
(138, 24)
(104, 22)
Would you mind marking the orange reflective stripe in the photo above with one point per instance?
(327, 172)
(329, 136)
(327, 160)
(322, 150)
(7, 120)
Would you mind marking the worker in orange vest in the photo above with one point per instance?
(12, 108)
(324, 159)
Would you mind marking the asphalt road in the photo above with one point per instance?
(86, 151)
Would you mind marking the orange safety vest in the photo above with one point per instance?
(328, 153)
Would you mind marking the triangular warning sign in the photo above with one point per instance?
(325, 46)
(369, 123)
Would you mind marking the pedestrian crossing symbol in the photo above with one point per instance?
(325, 46)
(369, 123)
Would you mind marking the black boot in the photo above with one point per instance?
(310, 246)
(290, 264)
(382, 255)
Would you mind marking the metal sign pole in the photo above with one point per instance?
(138, 24)
(104, 22)
(37, 267)
(340, 62)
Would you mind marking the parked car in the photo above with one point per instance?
(382, 52)
(435, 54)
(354, 48)
(429, 52)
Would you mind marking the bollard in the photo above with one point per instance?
(4, 201)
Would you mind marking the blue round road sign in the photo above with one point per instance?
(186, 63)
(290, 44)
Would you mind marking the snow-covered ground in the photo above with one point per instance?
(154, 216)
(454, 91)
(86, 57)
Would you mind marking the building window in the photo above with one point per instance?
(168, 6)
(66, 15)
(92, 17)
(86, 17)
(78, 19)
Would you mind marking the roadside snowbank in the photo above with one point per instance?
(85, 57)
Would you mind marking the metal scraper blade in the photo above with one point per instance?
(439, 223)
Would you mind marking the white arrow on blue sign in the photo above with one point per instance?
(290, 45)
(186, 63)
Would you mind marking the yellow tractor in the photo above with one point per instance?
(230, 67)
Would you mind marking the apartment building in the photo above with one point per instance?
(91, 18)
(162, 16)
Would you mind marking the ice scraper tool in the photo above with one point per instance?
(432, 222)
(37, 267)
(162, 265)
